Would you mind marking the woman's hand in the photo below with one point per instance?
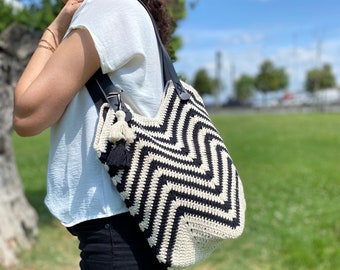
(61, 23)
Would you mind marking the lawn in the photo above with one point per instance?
(289, 165)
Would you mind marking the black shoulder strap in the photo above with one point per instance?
(100, 86)
(95, 90)
(101, 89)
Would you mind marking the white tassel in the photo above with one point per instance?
(121, 130)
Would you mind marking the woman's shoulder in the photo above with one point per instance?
(113, 5)
(111, 12)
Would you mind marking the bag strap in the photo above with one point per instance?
(102, 88)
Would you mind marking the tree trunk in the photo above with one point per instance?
(19, 221)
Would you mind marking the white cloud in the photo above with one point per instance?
(221, 37)
(245, 51)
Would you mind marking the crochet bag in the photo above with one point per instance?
(173, 171)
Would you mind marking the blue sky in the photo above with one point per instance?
(295, 34)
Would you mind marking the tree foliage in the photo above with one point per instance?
(203, 83)
(318, 79)
(178, 12)
(244, 87)
(270, 78)
(38, 15)
(6, 15)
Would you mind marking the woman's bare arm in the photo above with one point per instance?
(51, 79)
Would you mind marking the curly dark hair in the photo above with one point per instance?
(164, 21)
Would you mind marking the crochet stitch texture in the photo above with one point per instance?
(182, 186)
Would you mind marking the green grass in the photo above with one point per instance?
(289, 165)
(55, 247)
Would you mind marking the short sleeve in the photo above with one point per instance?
(116, 27)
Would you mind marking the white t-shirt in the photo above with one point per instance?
(78, 186)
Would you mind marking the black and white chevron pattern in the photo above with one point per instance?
(182, 188)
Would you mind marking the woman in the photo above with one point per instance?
(118, 37)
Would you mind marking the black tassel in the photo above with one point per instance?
(119, 156)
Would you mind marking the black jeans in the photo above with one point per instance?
(114, 243)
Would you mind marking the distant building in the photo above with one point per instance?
(327, 96)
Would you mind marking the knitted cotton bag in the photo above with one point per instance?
(173, 171)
